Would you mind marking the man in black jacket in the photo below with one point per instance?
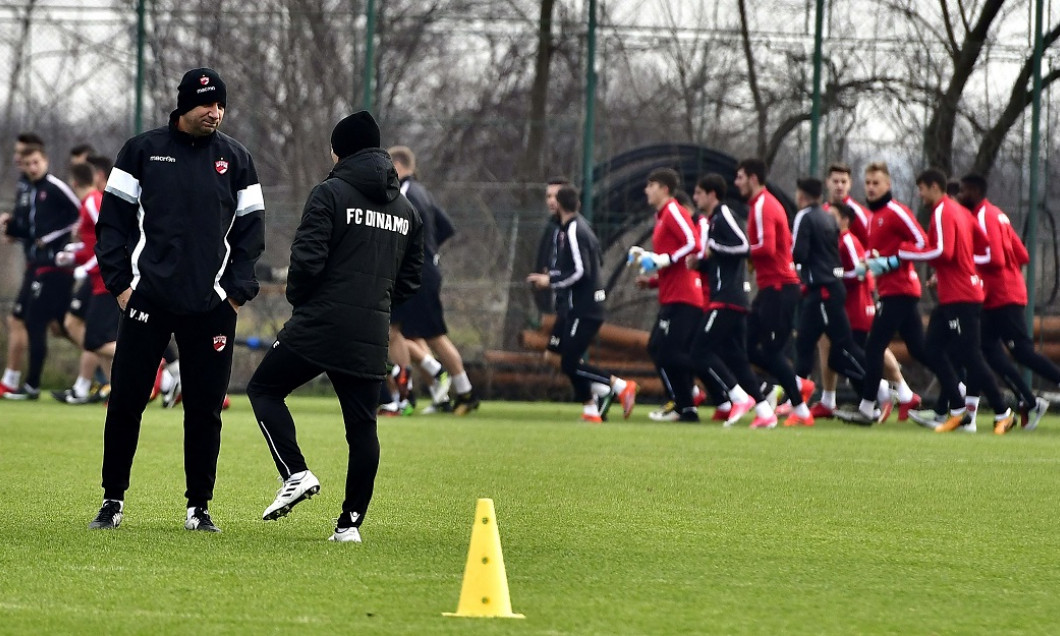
(815, 250)
(422, 317)
(719, 348)
(574, 277)
(44, 217)
(357, 251)
(180, 228)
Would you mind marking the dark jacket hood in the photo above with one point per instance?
(371, 172)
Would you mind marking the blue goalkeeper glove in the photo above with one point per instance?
(882, 264)
(651, 262)
(634, 254)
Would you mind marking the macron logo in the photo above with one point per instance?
(205, 89)
(165, 158)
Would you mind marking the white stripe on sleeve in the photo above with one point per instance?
(249, 199)
(576, 253)
(59, 183)
(123, 185)
(742, 248)
(686, 229)
(795, 227)
(985, 258)
(918, 236)
(849, 244)
(760, 239)
(932, 254)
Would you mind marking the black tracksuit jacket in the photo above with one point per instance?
(574, 271)
(815, 248)
(726, 269)
(182, 221)
(357, 251)
(46, 212)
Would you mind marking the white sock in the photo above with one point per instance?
(802, 410)
(868, 408)
(619, 385)
(430, 365)
(1001, 416)
(168, 379)
(971, 402)
(904, 392)
(725, 406)
(883, 393)
(121, 504)
(174, 368)
(963, 388)
(737, 394)
(960, 411)
(461, 383)
(828, 398)
(600, 390)
(82, 386)
(12, 378)
(590, 409)
(191, 512)
(762, 409)
(695, 391)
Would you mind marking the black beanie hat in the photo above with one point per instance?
(200, 86)
(356, 132)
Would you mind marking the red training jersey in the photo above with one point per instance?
(1001, 263)
(892, 226)
(770, 237)
(860, 307)
(953, 240)
(677, 236)
(862, 215)
(86, 255)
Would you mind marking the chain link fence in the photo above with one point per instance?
(448, 85)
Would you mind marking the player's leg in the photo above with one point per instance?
(280, 372)
(206, 342)
(357, 399)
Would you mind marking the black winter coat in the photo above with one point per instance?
(358, 250)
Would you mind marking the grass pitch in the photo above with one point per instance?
(625, 528)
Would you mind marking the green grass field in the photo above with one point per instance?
(624, 528)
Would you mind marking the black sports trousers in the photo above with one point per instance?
(1006, 327)
(819, 315)
(769, 329)
(954, 339)
(48, 300)
(894, 314)
(205, 342)
(669, 346)
(570, 338)
(282, 371)
(719, 351)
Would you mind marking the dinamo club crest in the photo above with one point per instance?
(221, 166)
(219, 342)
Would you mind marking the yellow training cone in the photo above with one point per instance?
(485, 589)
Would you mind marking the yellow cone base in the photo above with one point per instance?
(485, 589)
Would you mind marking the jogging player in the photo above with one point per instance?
(1005, 306)
(953, 333)
(574, 276)
(680, 291)
(815, 250)
(774, 306)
